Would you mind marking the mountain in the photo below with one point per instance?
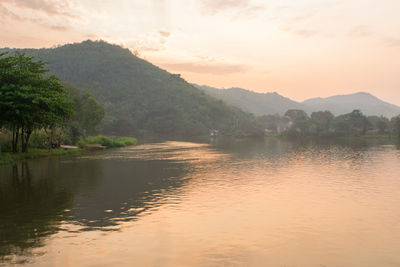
(341, 104)
(256, 103)
(140, 98)
(273, 103)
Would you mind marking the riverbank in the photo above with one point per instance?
(335, 137)
(8, 157)
(89, 144)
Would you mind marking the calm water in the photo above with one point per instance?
(248, 203)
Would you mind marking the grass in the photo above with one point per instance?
(108, 141)
(8, 157)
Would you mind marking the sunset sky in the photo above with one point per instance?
(298, 48)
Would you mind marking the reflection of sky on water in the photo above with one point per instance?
(230, 203)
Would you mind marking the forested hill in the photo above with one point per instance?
(273, 103)
(140, 98)
(370, 105)
(256, 103)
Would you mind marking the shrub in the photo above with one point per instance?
(112, 141)
(5, 142)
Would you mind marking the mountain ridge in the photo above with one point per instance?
(140, 99)
(273, 103)
(253, 102)
(364, 101)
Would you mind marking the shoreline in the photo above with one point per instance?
(10, 158)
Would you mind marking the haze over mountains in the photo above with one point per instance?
(273, 103)
(140, 99)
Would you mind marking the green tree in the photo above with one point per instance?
(87, 117)
(379, 124)
(397, 125)
(323, 120)
(296, 114)
(29, 100)
(353, 123)
(301, 123)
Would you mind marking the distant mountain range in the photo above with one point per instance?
(256, 103)
(140, 99)
(273, 103)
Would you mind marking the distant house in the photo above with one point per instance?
(213, 132)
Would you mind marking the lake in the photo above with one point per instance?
(229, 203)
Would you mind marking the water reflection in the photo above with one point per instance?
(237, 202)
(94, 192)
(31, 209)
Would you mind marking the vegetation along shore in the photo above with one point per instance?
(40, 115)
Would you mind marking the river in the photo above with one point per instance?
(230, 203)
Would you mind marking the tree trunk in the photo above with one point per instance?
(23, 140)
(26, 141)
(15, 139)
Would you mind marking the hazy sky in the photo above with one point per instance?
(298, 48)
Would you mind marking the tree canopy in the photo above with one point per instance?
(29, 100)
(88, 114)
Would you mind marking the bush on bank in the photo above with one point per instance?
(108, 141)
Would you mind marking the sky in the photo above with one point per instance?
(298, 48)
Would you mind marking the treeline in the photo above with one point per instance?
(38, 110)
(297, 123)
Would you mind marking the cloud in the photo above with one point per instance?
(307, 33)
(306, 20)
(165, 34)
(392, 41)
(248, 12)
(49, 7)
(360, 31)
(203, 68)
(365, 32)
(60, 28)
(212, 7)
(6, 13)
(148, 49)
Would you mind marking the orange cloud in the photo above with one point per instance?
(164, 34)
(212, 7)
(50, 7)
(202, 68)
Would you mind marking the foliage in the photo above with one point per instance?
(379, 124)
(296, 123)
(301, 124)
(140, 98)
(396, 126)
(88, 114)
(5, 141)
(296, 114)
(28, 100)
(323, 121)
(353, 123)
(112, 141)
